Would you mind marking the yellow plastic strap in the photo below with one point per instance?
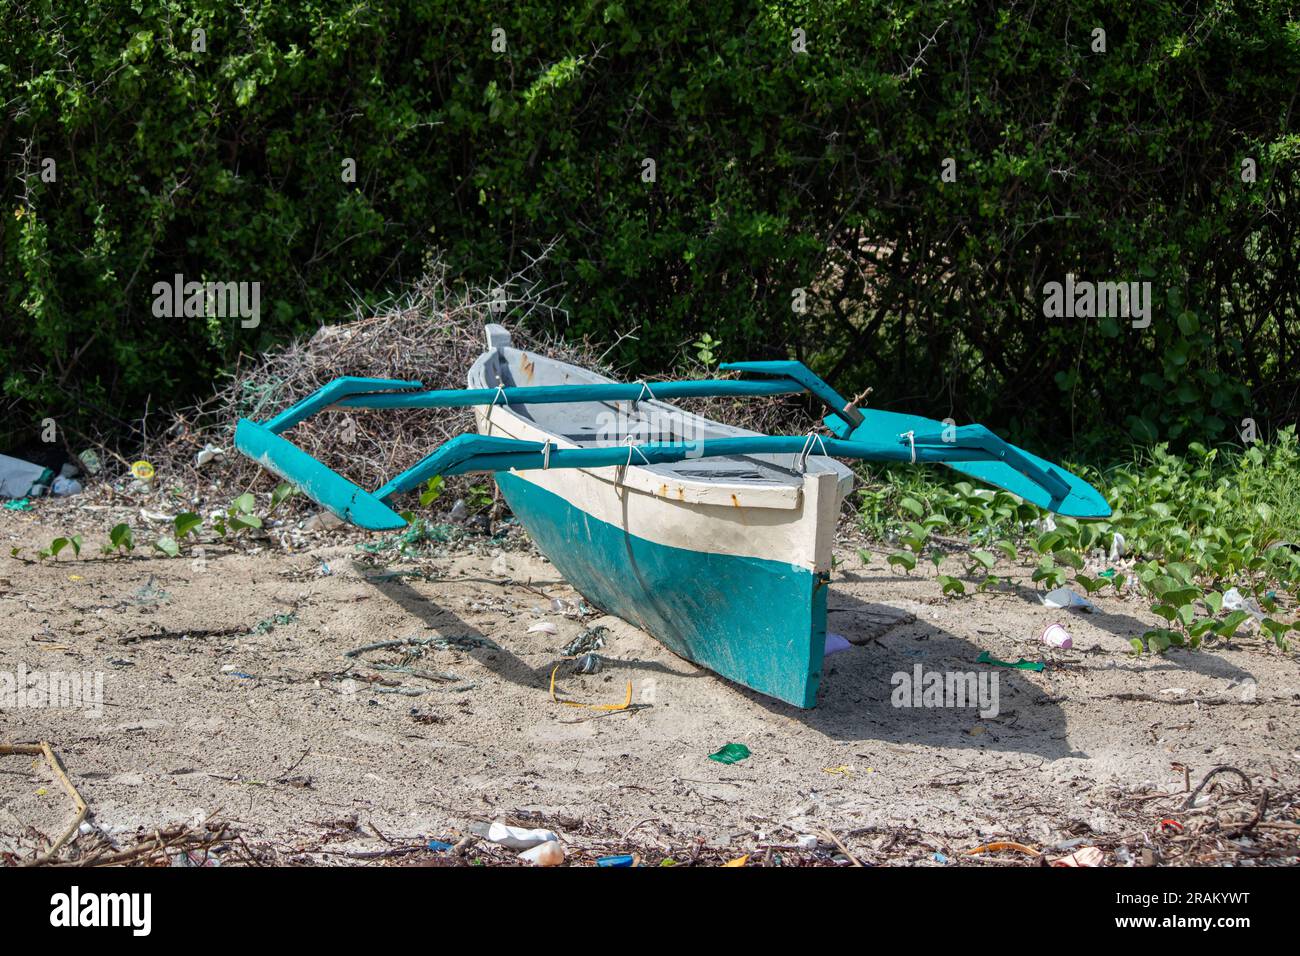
(573, 703)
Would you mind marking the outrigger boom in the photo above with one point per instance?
(862, 434)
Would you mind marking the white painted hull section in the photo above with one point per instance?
(800, 533)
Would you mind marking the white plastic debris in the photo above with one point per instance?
(1234, 601)
(565, 607)
(209, 453)
(518, 838)
(806, 841)
(544, 627)
(21, 479)
(1064, 598)
(63, 487)
(1054, 635)
(549, 853)
(1118, 546)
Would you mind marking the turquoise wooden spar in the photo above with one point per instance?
(863, 434)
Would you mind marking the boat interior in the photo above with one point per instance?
(596, 423)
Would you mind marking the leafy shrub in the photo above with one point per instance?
(775, 171)
(1195, 525)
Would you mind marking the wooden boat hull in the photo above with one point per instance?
(724, 566)
(758, 622)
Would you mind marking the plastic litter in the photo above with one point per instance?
(621, 860)
(1054, 635)
(570, 609)
(209, 453)
(544, 854)
(1117, 546)
(1000, 845)
(1064, 598)
(18, 504)
(519, 838)
(1234, 601)
(731, 753)
(940, 858)
(544, 627)
(192, 859)
(1020, 665)
(63, 487)
(1084, 856)
(439, 845)
(588, 664)
(806, 841)
(591, 639)
(627, 701)
(836, 643)
(20, 479)
(142, 471)
(89, 462)
(738, 861)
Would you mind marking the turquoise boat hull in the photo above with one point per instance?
(760, 623)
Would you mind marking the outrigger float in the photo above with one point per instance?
(714, 540)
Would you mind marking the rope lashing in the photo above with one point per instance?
(633, 447)
(813, 439)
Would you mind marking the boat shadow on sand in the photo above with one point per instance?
(863, 689)
(504, 664)
(856, 701)
(859, 686)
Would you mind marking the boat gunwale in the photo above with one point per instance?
(784, 495)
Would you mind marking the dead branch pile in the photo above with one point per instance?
(433, 334)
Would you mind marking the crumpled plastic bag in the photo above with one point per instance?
(1064, 598)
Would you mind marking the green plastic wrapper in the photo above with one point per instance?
(731, 753)
(1020, 665)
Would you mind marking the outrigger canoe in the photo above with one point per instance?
(714, 540)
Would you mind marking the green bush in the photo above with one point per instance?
(774, 171)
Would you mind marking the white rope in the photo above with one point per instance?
(501, 393)
(632, 447)
(812, 440)
(546, 455)
(911, 440)
(645, 390)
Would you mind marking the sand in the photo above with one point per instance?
(226, 690)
